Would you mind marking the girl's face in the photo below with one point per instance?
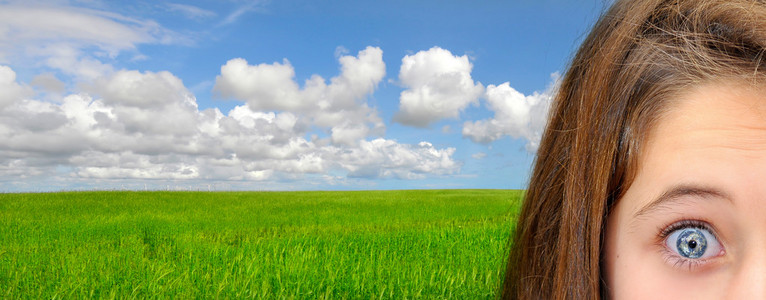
(693, 223)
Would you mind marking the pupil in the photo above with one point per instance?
(692, 244)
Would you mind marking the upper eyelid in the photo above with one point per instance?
(677, 226)
(673, 199)
(687, 223)
(664, 232)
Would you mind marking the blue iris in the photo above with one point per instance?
(691, 243)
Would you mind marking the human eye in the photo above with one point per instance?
(691, 244)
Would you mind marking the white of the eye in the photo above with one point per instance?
(713, 246)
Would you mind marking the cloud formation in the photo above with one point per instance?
(190, 11)
(132, 125)
(11, 90)
(339, 106)
(250, 5)
(48, 83)
(438, 86)
(63, 37)
(516, 115)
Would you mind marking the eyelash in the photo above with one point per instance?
(673, 258)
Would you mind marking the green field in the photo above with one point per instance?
(303, 245)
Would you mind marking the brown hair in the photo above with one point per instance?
(638, 56)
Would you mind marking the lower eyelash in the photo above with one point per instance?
(681, 262)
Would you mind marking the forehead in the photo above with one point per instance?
(713, 134)
(726, 115)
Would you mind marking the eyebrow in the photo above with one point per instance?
(678, 192)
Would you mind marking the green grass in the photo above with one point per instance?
(302, 245)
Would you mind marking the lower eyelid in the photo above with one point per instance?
(692, 265)
(681, 263)
(686, 264)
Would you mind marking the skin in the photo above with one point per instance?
(706, 159)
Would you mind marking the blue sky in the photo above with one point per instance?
(278, 95)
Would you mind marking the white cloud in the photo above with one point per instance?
(263, 86)
(108, 31)
(74, 40)
(143, 90)
(137, 126)
(381, 158)
(70, 60)
(439, 86)
(251, 5)
(12, 91)
(340, 51)
(190, 11)
(516, 115)
(339, 106)
(479, 155)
